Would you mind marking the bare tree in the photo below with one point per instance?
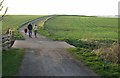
(1, 8)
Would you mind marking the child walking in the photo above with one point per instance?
(25, 30)
(35, 30)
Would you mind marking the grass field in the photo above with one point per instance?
(16, 21)
(95, 39)
(77, 27)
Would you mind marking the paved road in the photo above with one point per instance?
(44, 57)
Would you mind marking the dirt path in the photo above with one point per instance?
(44, 57)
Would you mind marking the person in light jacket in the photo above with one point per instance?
(35, 30)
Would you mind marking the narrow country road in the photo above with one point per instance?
(44, 57)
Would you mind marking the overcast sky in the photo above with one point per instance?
(72, 7)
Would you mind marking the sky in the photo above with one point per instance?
(69, 7)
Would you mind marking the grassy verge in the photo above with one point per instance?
(101, 56)
(11, 61)
(104, 68)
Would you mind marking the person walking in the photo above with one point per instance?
(30, 30)
(35, 30)
(25, 30)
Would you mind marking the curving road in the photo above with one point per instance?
(44, 57)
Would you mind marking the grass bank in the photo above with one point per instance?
(103, 67)
(11, 61)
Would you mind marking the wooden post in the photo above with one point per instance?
(8, 40)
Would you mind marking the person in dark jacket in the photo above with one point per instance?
(30, 30)
(25, 30)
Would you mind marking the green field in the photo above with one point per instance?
(16, 21)
(95, 39)
(76, 27)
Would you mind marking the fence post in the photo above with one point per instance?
(12, 38)
(8, 39)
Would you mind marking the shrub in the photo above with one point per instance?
(110, 53)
